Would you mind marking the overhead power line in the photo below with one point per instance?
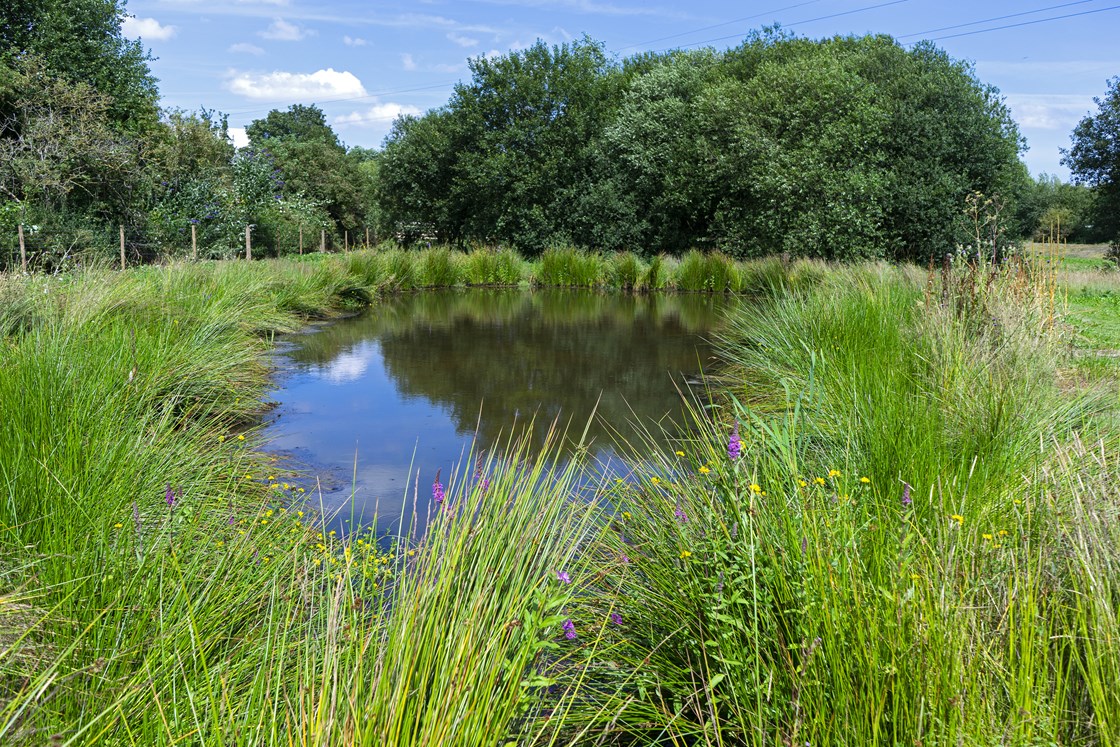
(807, 20)
(720, 25)
(1025, 23)
(997, 18)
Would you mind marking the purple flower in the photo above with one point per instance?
(169, 496)
(569, 630)
(734, 444)
(563, 577)
(804, 545)
(906, 495)
(624, 558)
(682, 517)
(437, 489)
(616, 618)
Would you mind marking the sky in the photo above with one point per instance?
(365, 63)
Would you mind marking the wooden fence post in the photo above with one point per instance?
(22, 250)
(367, 237)
(122, 246)
(323, 241)
(248, 243)
(346, 241)
(301, 239)
(194, 241)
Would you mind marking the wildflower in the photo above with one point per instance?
(756, 488)
(563, 577)
(906, 495)
(221, 439)
(626, 515)
(685, 554)
(704, 470)
(240, 436)
(624, 558)
(834, 473)
(169, 497)
(655, 480)
(734, 444)
(680, 453)
(957, 518)
(987, 537)
(682, 517)
(915, 577)
(802, 483)
(818, 480)
(1018, 502)
(437, 489)
(865, 480)
(569, 630)
(1003, 533)
(616, 618)
(118, 525)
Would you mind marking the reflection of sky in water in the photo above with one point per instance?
(374, 405)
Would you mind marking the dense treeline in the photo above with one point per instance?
(842, 148)
(845, 147)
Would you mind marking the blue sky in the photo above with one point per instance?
(364, 63)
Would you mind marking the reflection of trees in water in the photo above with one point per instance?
(520, 354)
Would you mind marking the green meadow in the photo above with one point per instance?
(895, 523)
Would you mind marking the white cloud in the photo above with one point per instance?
(352, 41)
(447, 69)
(327, 83)
(462, 41)
(245, 48)
(281, 30)
(378, 114)
(146, 28)
(238, 136)
(407, 62)
(1049, 111)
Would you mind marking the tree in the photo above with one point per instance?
(81, 41)
(1094, 159)
(313, 162)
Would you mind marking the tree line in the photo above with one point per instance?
(841, 148)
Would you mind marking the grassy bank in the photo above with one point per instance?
(913, 537)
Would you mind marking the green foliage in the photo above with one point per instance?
(1094, 159)
(1050, 208)
(569, 268)
(713, 273)
(842, 148)
(494, 267)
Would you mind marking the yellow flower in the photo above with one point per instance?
(957, 518)
(986, 536)
(221, 543)
(301, 490)
(1018, 502)
(264, 521)
(704, 470)
(271, 478)
(685, 554)
(656, 480)
(221, 439)
(626, 515)
(273, 486)
(287, 486)
(819, 480)
(865, 480)
(915, 577)
(248, 476)
(299, 514)
(680, 453)
(802, 483)
(240, 436)
(1003, 533)
(834, 473)
(756, 488)
(411, 553)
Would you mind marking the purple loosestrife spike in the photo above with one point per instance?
(169, 496)
(437, 489)
(734, 444)
(563, 577)
(616, 618)
(906, 495)
(569, 630)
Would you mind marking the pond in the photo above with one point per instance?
(374, 404)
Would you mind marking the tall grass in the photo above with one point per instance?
(906, 544)
(162, 582)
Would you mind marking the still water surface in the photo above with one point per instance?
(374, 403)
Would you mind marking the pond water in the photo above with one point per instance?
(373, 404)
